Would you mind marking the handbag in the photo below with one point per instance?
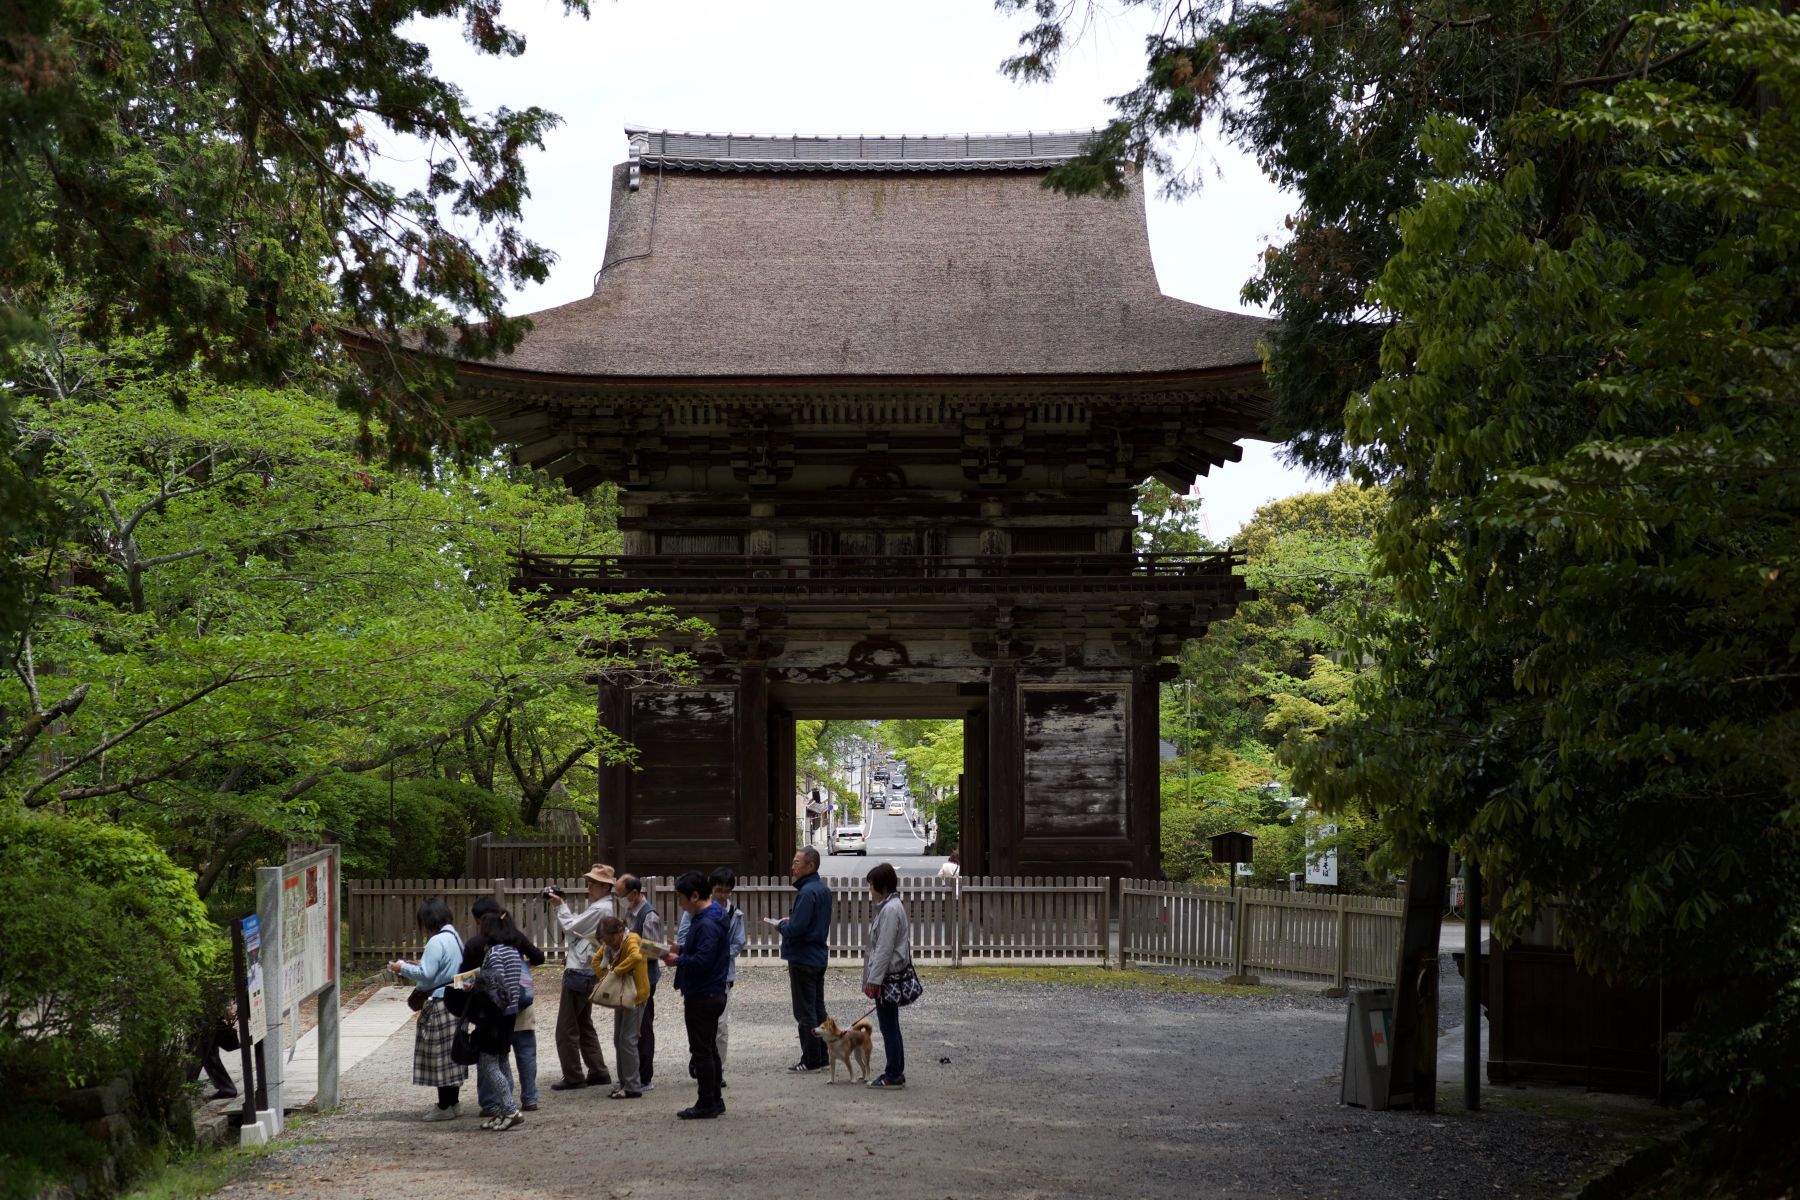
(902, 987)
(615, 991)
(416, 999)
(462, 1047)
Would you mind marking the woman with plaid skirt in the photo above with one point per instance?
(432, 1064)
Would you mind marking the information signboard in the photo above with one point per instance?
(253, 979)
(297, 937)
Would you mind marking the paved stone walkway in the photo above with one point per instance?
(1018, 1089)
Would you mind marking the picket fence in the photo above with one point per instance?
(1337, 939)
(975, 920)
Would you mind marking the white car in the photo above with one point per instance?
(896, 808)
(849, 840)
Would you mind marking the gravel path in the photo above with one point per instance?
(1050, 1089)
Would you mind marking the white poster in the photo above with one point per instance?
(1322, 868)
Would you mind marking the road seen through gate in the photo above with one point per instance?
(891, 838)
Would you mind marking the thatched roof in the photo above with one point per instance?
(869, 257)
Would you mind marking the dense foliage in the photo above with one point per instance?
(1572, 357)
(1607, 713)
(245, 608)
(1277, 670)
(97, 916)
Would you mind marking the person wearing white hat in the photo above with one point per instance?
(576, 1038)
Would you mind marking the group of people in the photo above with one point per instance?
(621, 934)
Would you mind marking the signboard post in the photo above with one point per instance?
(297, 917)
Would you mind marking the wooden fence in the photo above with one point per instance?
(1336, 939)
(1021, 921)
(967, 920)
(487, 857)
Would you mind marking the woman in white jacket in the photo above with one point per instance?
(887, 951)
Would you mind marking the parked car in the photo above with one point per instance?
(849, 839)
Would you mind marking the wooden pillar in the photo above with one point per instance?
(613, 818)
(1144, 773)
(1006, 770)
(753, 766)
(973, 809)
(783, 784)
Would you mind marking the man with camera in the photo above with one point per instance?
(576, 1038)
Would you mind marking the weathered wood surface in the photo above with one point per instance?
(1334, 939)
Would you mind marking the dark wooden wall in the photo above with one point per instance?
(1057, 779)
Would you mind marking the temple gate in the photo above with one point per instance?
(877, 408)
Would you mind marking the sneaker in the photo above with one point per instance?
(649, 1087)
(532, 1107)
(887, 1081)
(801, 1068)
(511, 1120)
(444, 1114)
(601, 1080)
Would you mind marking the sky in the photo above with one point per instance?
(847, 67)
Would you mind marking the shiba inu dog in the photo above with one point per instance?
(852, 1045)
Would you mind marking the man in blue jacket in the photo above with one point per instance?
(805, 947)
(700, 964)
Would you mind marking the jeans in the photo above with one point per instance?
(627, 1022)
(494, 1073)
(526, 1058)
(807, 985)
(702, 1014)
(524, 1052)
(889, 1017)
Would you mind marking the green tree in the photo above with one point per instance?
(243, 608)
(1168, 523)
(1589, 413)
(208, 172)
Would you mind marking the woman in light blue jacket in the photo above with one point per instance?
(432, 1064)
(887, 950)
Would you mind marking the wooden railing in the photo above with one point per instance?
(812, 574)
(1334, 939)
(1337, 940)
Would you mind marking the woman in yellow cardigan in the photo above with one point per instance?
(622, 956)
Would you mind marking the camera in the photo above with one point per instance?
(552, 891)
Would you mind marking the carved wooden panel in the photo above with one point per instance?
(1075, 762)
(686, 786)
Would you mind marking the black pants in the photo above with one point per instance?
(647, 1040)
(213, 1037)
(807, 984)
(702, 1014)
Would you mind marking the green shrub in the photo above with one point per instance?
(105, 950)
(413, 828)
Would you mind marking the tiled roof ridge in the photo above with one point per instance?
(907, 152)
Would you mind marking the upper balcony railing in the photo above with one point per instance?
(924, 573)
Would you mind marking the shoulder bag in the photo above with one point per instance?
(902, 987)
(615, 991)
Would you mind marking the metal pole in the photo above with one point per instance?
(1471, 986)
